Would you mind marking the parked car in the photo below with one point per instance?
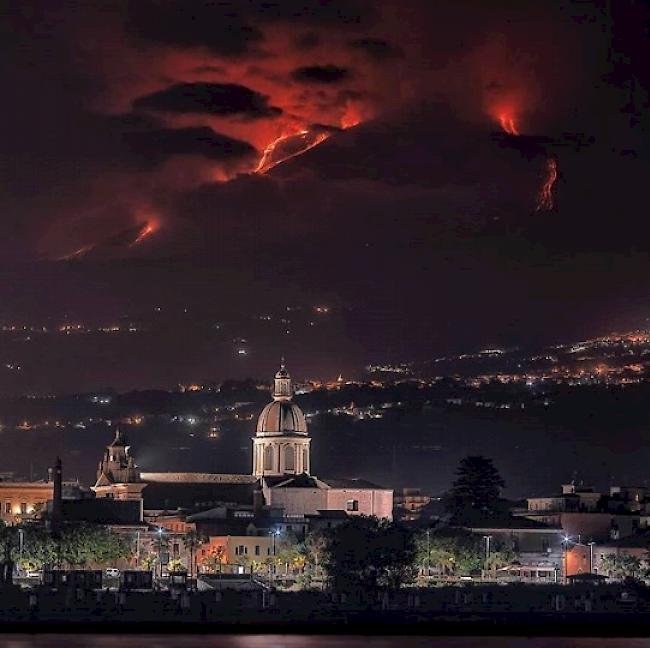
(112, 572)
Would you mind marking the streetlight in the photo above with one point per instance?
(565, 546)
(273, 533)
(160, 541)
(591, 556)
(487, 539)
(428, 555)
(21, 537)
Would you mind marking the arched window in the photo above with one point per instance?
(268, 458)
(305, 460)
(289, 458)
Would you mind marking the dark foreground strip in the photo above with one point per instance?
(369, 625)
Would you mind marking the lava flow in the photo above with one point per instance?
(508, 124)
(77, 254)
(129, 237)
(545, 201)
(145, 231)
(288, 146)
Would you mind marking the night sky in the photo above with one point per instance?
(138, 168)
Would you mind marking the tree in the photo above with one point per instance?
(8, 543)
(149, 561)
(449, 552)
(214, 561)
(39, 548)
(192, 542)
(286, 552)
(82, 545)
(309, 558)
(176, 565)
(477, 486)
(622, 566)
(365, 553)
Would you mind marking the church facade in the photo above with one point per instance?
(280, 475)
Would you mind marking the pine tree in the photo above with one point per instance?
(477, 486)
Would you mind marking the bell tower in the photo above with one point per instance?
(118, 476)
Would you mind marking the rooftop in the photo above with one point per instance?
(196, 478)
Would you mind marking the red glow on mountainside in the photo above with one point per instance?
(288, 146)
(545, 201)
(77, 254)
(149, 228)
(508, 124)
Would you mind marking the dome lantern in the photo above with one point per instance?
(282, 384)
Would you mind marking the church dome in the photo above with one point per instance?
(281, 417)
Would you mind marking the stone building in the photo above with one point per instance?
(281, 473)
(20, 500)
(281, 443)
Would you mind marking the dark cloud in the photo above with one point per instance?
(320, 74)
(223, 99)
(217, 26)
(233, 28)
(334, 13)
(376, 48)
(155, 145)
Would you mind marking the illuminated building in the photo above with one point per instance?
(409, 503)
(280, 476)
(23, 499)
(118, 476)
(281, 443)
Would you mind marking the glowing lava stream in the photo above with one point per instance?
(77, 253)
(545, 200)
(508, 124)
(267, 162)
(147, 230)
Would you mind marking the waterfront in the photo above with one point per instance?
(305, 641)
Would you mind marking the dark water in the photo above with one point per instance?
(304, 641)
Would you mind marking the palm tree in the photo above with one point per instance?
(192, 542)
(216, 558)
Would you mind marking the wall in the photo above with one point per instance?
(227, 545)
(597, 525)
(377, 502)
(307, 501)
(33, 494)
(297, 501)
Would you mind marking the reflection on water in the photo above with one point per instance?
(303, 641)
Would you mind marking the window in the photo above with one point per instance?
(257, 550)
(268, 458)
(23, 508)
(8, 507)
(289, 458)
(352, 505)
(241, 550)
